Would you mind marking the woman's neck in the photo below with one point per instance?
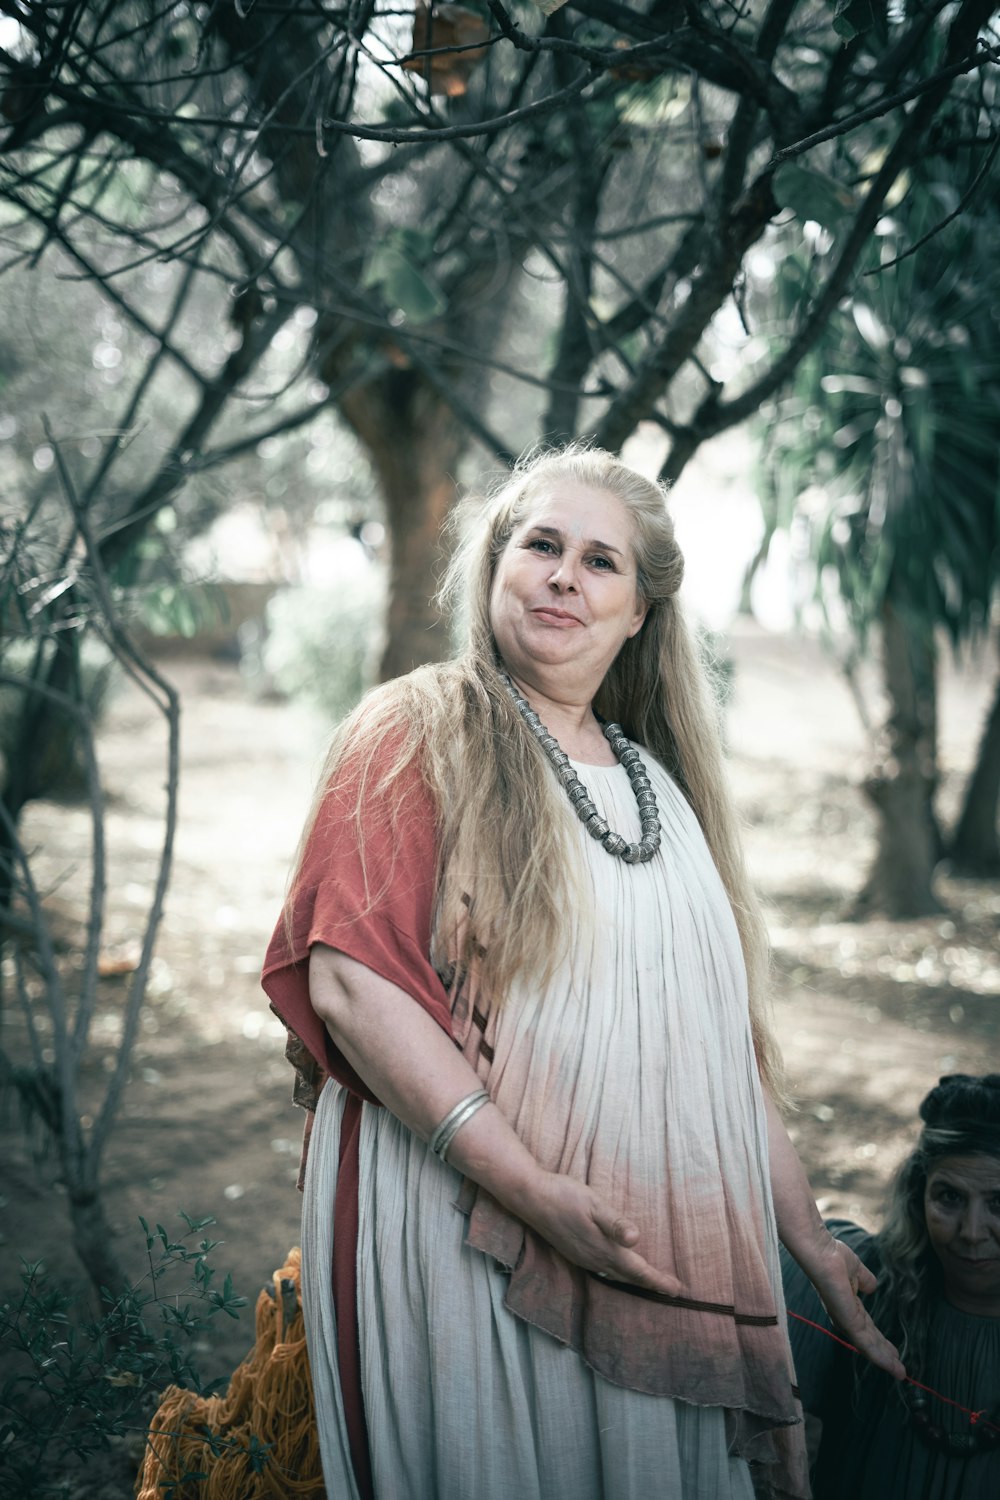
(573, 723)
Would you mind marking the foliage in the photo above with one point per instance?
(885, 454)
(321, 643)
(77, 1385)
(493, 223)
(893, 418)
(61, 773)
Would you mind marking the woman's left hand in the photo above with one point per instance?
(841, 1280)
(835, 1271)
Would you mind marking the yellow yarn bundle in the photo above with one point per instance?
(269, 1401)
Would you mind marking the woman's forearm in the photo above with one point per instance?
(417, 1072)
(839, 1277)
(800, 1228)
(415, 1069)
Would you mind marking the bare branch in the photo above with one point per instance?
(956, 212)
(884, 106)
(164, 696)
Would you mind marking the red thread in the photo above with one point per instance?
(973, 1416)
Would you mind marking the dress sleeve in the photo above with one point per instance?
(377, 909)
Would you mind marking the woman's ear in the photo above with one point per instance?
(638, 619)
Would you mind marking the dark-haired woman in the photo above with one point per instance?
(937, 1258)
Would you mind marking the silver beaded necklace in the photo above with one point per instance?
(586, 810)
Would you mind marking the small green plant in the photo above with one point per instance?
(73, 1385)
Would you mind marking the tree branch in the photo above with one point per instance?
(982, 55)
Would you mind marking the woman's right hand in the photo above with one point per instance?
(416, 1071)
(589, 1232)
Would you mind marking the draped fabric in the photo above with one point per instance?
(377, 907)
(868, 1448)
(634, 1071)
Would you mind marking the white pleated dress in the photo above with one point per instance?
(490, 1368)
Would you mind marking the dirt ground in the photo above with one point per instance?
(868, 1014)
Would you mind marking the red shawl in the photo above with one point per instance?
(378, 910)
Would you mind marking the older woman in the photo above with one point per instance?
(938, 1260)
(518, 938)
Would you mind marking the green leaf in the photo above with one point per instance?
(855, 385)
(395, 270)
(812, 195)
(852, 17)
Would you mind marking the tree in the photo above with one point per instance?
(55, 598)
(397, 174)
(975, 844)
(892, 419)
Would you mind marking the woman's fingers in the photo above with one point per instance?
(617, 1228)
(847, 1276)
(626, 1263)
(866, 1280)
(593, 1234)
(868, 1341)
(641, 1273)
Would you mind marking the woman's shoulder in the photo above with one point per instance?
(430, 682)
(417, 697)
(394, 715)
(397, 747)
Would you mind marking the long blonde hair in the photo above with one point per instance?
(504, 876)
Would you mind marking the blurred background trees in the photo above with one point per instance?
(63, 637)
(469, 224)
(885, 451)
(446, 225)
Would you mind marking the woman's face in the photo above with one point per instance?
(962, 1214)
(564, 597)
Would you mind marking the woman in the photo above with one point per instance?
(583, 1299)
(938, 1262)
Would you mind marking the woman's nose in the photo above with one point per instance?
(973, 1228)
(564, 574)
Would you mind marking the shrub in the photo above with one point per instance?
(74, 1385)
(322, 643)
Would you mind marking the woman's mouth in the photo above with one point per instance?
(556, 617)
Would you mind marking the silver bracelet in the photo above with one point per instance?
(446, 1131)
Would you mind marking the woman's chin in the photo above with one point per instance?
(973, 1285)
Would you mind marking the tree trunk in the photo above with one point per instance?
(41, 747)
(901, 786)
(414, 442)
(92, 1241)
(975, 847)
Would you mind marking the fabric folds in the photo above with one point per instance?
(635, 1072)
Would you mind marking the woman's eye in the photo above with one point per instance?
(541, 544)
(601, 562)
(948, 1197)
